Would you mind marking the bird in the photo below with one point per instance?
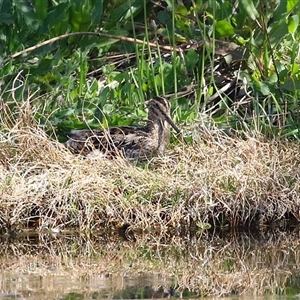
(132, 142)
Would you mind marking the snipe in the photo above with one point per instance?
(130, 141)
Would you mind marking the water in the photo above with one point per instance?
(110, 266)
(69, 287)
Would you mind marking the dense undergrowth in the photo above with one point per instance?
(231, 72)
(234, 61)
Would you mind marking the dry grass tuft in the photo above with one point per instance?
(220, 180)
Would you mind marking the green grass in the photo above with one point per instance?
(84, 80)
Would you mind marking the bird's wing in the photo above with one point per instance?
(132, 141)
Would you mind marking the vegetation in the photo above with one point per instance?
(221, 182)
(90, 78)
(231, 71)
(72, 64)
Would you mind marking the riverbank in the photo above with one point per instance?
(216, 181)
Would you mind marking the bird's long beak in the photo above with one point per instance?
(169, 120)
(166, 117)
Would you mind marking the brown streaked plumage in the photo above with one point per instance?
(131, 141)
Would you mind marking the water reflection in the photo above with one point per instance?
(143, 266)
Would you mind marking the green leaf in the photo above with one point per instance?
(278, 32)
(181, 9)
(191, 59)
(249, 7)
(123, 12)
(240, 40)
(104, 41)
(103, 96)
(290, 4)
(295, 69)
(97, 13)
(80, 17)
(57, 21)
(224, 28)
(293, 24)
(291, 85)
(264, 88)
(280, 13)
(41, 7)
(28, 13)
(164, 17)
(6, 19)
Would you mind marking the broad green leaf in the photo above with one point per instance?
(97, 13)
(240, 40)
(170, 4)
(164, 17)
(280, 66)
(264, 88)
(249, 7)
(295, 68)
(108, 108)
(293, 24)
(57, 21)
(135, 8)
(191, 59)
(80, 17)
(291, 85)
(280, 13)
(125, 11)
(41, 7)
(181, 9)
(6, 19)
(278, 32)
(224, 28)
(6, 6)
(104, 41)
(290, 4)
(26, 11)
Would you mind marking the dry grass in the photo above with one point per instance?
(219, 180)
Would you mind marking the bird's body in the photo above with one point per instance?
(130, 141)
